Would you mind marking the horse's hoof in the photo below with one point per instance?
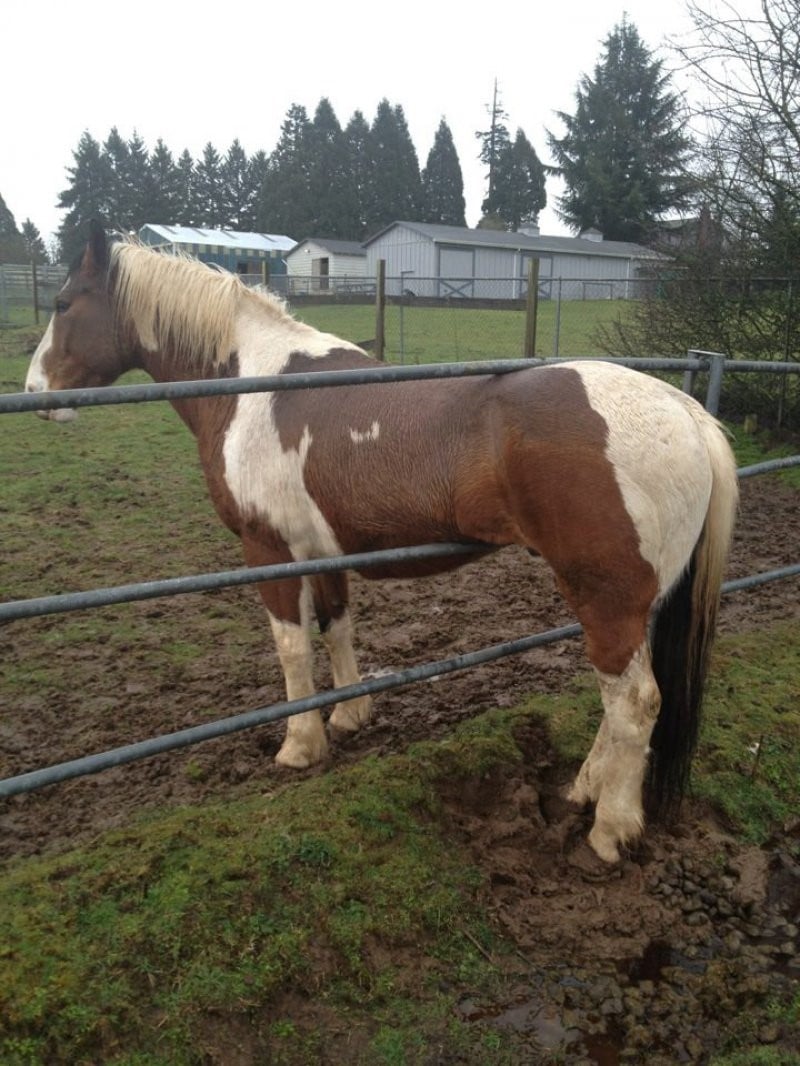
(352, 715)
(300, 754)
(604, 846)
(591, 865)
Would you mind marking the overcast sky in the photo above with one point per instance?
(192, 72)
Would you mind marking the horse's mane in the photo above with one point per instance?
(175, 303)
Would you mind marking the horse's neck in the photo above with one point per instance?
(165, 367)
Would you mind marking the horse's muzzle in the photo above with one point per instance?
(59, 414)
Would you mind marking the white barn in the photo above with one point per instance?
(314, 262)
(449, 261)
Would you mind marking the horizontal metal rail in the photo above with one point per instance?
(36, 607)
(18, 402)
(92, 764)
(176, 586)
(769, 466)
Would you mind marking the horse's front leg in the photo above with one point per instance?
(288, 604)
(333, 615)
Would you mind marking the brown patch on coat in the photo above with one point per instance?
(518, 458)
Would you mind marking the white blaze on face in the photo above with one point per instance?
(37, 380)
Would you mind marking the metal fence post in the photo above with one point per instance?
(713, 392)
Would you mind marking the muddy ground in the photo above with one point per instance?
(662, 955)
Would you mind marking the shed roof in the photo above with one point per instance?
(225, 238)
(520, 241)
(335, 246)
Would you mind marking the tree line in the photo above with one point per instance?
(329, 180)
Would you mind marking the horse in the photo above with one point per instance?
(625, 486)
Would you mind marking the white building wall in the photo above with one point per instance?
(410, 262)
(304, 263)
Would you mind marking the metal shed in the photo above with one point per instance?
(241, 253)
(449, 261)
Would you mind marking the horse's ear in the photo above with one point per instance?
(95, 254)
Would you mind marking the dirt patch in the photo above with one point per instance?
(649, 964)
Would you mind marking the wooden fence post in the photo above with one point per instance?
(380, 311)
(35, 292)
(531, 309)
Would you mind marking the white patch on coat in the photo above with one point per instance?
(266, 481)
(657, 448)
(370, 434)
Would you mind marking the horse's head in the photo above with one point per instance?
(79, 348)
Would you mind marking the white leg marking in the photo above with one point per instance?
(614, 771)
(305, 741)
(338, 637)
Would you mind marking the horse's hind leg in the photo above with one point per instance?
(613, 773)
(615, 620)
(333, 614)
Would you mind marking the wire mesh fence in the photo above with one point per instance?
(27, 292)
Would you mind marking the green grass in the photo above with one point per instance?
(217, 911)
(418, 334)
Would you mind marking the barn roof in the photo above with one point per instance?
(223, 238)
(520, 241)
(335, 246)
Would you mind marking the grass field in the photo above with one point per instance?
(143, 942)
(416, 334)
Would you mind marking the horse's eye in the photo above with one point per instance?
(61, 307)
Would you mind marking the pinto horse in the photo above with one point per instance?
(624, 485)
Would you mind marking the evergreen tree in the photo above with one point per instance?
(186, 210)
(140, 185)
(495, 143)
(331, 196)
(360, 167)
(235, 185)
(118, 199)
(443, 182)
(624, 152)
(256, 172)
(164, 187)
(284, 205)
(210, 189)
(12, 244)
(87, 197)
(35, 251)
(519, 193)
(396, 190)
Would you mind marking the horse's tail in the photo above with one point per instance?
(683, 632)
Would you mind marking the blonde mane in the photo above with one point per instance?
(178, 304)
